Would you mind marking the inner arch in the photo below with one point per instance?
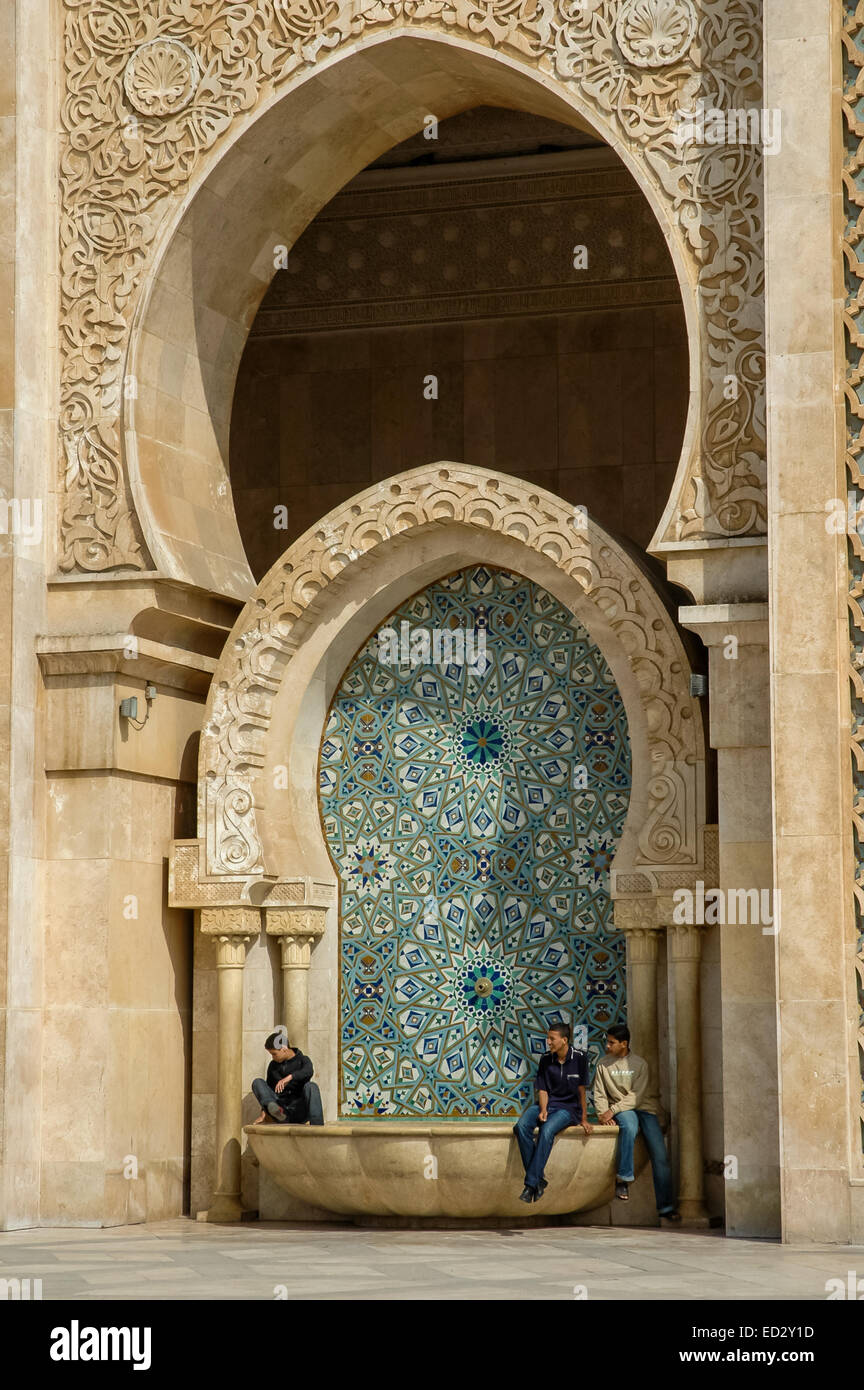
(475, 775)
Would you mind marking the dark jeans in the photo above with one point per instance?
(629, 1123)
(536, 1155)
(298, 1109)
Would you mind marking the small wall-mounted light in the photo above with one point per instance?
(698, 685)
(129, 707)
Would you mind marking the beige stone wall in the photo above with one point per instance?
(818, 1074)
(28, 394)
(117, 1002)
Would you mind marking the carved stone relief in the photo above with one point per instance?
(249, 675)
(149, 89)
(853, 248)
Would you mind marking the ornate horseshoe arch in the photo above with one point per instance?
(158, 98)
(298, 603)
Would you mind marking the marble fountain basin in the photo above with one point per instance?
(453, 1169)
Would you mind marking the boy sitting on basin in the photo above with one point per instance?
(623, 1096)
(562, 1076)
(289, 1095)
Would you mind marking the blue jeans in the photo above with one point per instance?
(629, 1123)
(296, 1111)
(536, 1155)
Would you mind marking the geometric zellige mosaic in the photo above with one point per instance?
(472, 815)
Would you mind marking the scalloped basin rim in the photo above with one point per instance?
(381, 1168)
(415, 1129)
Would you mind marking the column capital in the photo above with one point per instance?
(230, 921)
(297, 929)
(684, 942)
(302, 920)
(643, 945)
(233, 929)
(635, 914)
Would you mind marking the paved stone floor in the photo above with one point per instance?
(184, 1259)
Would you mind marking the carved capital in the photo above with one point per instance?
(233, 928)
(643, 946)
(302, 920)
(635, 914)
(298, 928)
(684, 942)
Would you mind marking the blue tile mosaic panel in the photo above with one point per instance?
(472, 815)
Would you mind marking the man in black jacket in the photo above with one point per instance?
(282, 1094)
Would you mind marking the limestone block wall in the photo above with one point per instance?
(117, 1003)
(117, 989)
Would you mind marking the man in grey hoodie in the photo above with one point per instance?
(624, 1095)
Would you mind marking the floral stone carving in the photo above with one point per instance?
(122, 178)
(655, 33)
(161, 77)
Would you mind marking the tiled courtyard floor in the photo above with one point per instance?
(184, 1259)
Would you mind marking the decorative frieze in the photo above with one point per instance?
(853, 247)
(150, 89)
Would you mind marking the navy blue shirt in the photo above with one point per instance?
(561, 1080)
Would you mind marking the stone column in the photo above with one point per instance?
(642, 950)
(233, 928)
(637, 917)
(685, 953)
(298, 928)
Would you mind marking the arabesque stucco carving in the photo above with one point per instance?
(259, 650)
(124, 168)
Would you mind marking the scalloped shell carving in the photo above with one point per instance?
(655, 33)
(160, 77)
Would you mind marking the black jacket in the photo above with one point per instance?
(298, 1067)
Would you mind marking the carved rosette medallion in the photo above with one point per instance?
(160, 77)
(655, 33)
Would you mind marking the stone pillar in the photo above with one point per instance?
(233, 928)
(685, 952)
(736, 635)
(637, 917)
(298, 928)
(642, 950)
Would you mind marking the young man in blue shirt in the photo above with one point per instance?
(562, 1077)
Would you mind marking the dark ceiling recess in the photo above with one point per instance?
(486, 132)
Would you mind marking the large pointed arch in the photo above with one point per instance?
(279, 112)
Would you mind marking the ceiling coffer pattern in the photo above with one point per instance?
(150, 89)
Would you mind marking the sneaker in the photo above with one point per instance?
(528, 1194)
(621, 1192)
(276, 1111)
(670, 1216)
